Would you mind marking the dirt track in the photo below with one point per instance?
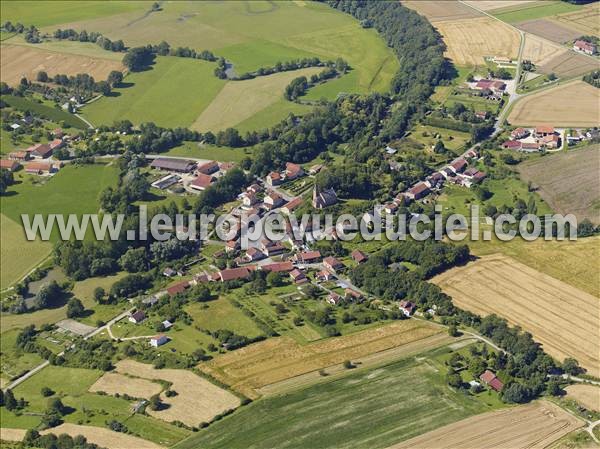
(564, 319)
(531, 426)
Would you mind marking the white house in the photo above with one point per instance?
(159, 340)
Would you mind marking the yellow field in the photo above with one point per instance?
(587, 395)
(276, 360)
(564, 319)
(20, 61)
(240, 100)
(113, 383)
(12, 434)
(574, 104)
(469, 41)
(586, 20)
(540, 51)
(103, 437)
(197, 400)
(531, 426)
(437, 10)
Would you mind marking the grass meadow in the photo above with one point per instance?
(211, 152)
(400, 400)
(43, 110)
(532, 11)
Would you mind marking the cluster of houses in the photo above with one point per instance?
(37, 159)
(585, 47)
(492, 89)
(532, 140)
(200, 175)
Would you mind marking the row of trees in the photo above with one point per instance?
(92, 36)
(30, 33)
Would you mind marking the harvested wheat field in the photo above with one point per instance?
(469, 41)
(12, 434)
(586, 20)
(489, 5)
(240, 100)
(541, 51)
(549, 30)
(528, 426)
(197, 400)
(587, 395)
(278, 359)
(564, 319)
(103, 437)
(20, 61)
(114, 383)
(579, 107)
(569, 64)
(441, 9)
(568, 181)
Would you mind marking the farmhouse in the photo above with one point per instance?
(358, 256)
(418, 191)
(474, 175)
(352, 294)
(512, 145)
(56, 143)
(232, 246)
(10, 165)
(334, 299)
(40, 150)
(308, 257)
(273, 179)
(293, 171)
(407, 308)
(584, 47)
(19, 156)
(172, 164)
(332, 264)
(166, 324)
(178, 288)
(552, 141)
(137, 317)
(159, 340)
(208, 168)
(273, 200)
(254, 254)
(298, 276)
(291, 205)
(232, 274)
(519, 133)
(271, 248)
(492, 85)
(489, 378)
(324, 275)
(166, 181)
(543, 131)
(323, 199)
(39, 168)
(202, 182)
(458, 165)
(278, 267)
(529, 147)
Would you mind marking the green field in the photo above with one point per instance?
(211, 152)
(71, 47)
(43, 14)
(370, 408)
(221, 314)
(47, 112)
(74, 190)
(271, 115)
(172, 93)
(15, 361)
(536, 10)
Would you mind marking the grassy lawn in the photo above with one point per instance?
(15, 361)
(272, 114)
(210, 152)
(43, 110)
(70, 47)
(453, 140)
(43, 14)
(221, 314)
(172, 93)
(533, 11)
(84, 290)
(401, 400)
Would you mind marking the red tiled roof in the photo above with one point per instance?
(180, 287)
(544, 129)
(418, 188)
(358, 256)
(208, 167)
(332, 262)
(487, 376)
(512, 144)
(278, 266)
(293, 204)
(309, 255)
(202, 181)
(234, 273)
(8, 164)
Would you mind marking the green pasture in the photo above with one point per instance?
(221, 314)
(210, 152)
(532, 11)
(378, 407)
(43, 110)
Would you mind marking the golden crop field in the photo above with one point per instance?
(531, 426)
(441, 10)
(469, 41)
(558, 106)
(103, 437)
(7, 434)
(565, 320)
(587, 395)
(586, 20)
(20, 61)
(489, 5)
(114, 383)
(276, 360)
(541, 51)
(208, 401)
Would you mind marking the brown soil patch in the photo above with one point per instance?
(441, 10)
(279, 359)
(568, 181)
(469, 41)
(564, 319)
(549, 30)
(103, 437)
(20, 61)
(569, 64)
(197, 400)
(524, 427)
(586, 395)
(114, 383)
(574, 104)
(541, 51)
(12, 434)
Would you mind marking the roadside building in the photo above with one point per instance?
(173, 164)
